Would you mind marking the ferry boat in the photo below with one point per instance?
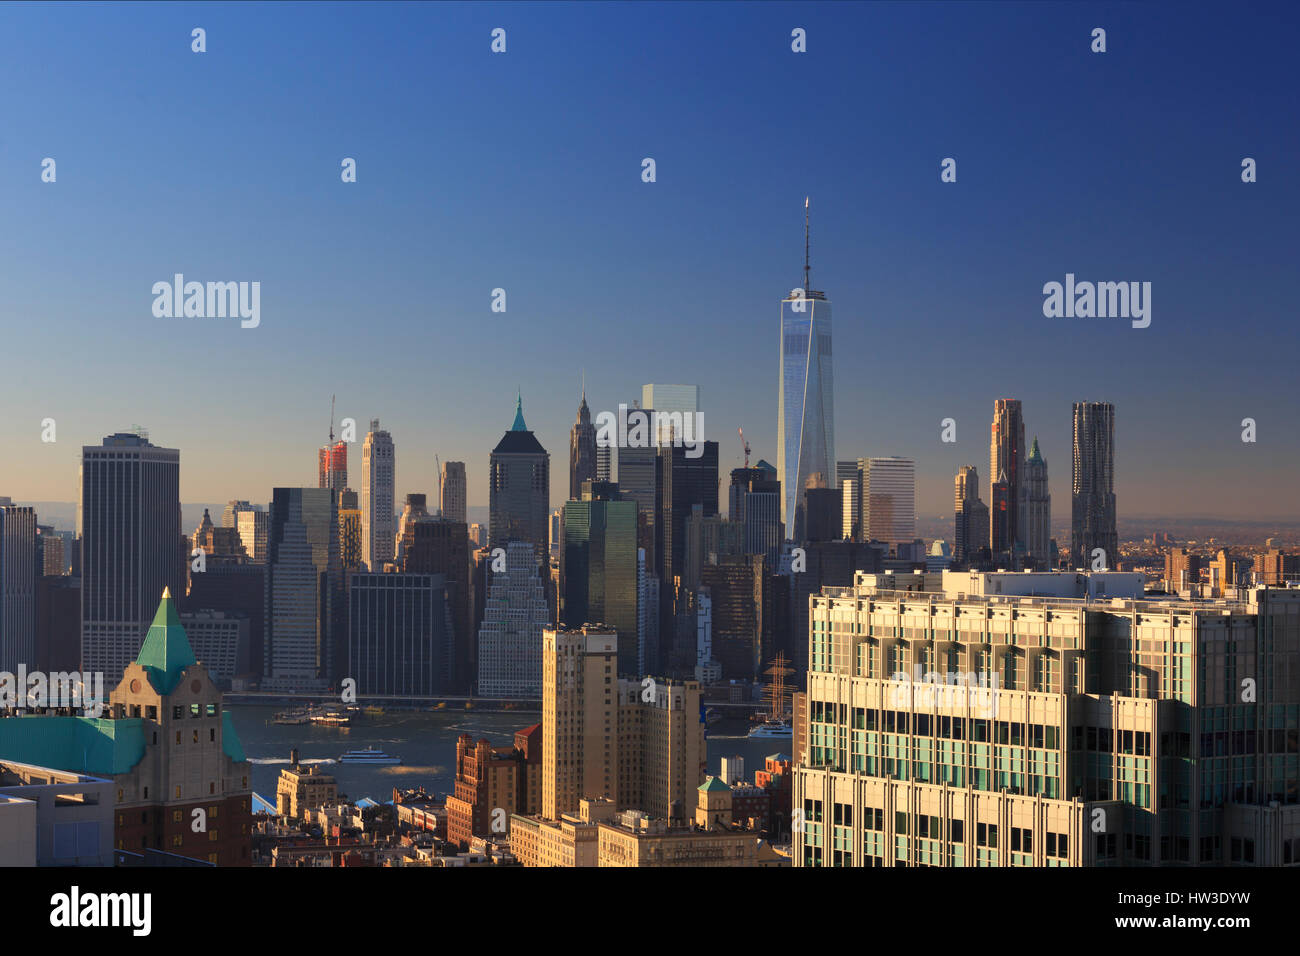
(293, 718)
(772, 728)
(369, 755)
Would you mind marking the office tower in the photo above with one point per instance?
(1183, 570)
(598, 567)
(17, 587)
(378, 470)
(1000, 544)
(305, 627)
(478, 535)
(130, 544)
(848, 480)
(58, 623)
(51, 555)
(164, 696)
(454, 496)
(1092, 748)
(647, 615)
(673, 403)
(332, 466)
(221, 641)
(604, 464)
(889, 500)
(510, 637)
(350, 554)
(234, 508)
(235, 590)
(684, 483)
(1092, 485)
(708, 539)
(824, 510)
(1276, 567)
(399, 634)
(640, 746)
(582, 450)
(806, 400)
(754, 500)
(742, 625)
(1007, 465)
(970, 517)
(253, 528)
(415, 509)
(520, 488)
(557, 534)
(1038, 508)
(440, 546)
(219, 545)
(579, 717)
(639, 480)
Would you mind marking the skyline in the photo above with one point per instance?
(1121, 160)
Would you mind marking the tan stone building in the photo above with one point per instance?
(1033, 731)
(568, 841)
(304, 788)
(637, 744)
(633, 839)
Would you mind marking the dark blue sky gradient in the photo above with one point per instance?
(522, 171)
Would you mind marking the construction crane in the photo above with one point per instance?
(745, 444)
(438, 464)
(332, 419)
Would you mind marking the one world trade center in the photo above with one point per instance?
(806, 415)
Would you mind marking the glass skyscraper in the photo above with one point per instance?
(805, 416)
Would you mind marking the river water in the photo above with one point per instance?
(425, 741)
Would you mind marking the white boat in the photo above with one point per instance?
(772, 728)
(369, 755)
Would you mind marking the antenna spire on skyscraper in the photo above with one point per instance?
(807, 267)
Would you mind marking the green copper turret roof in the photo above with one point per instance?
(712, 784)
(1034, 454)
(166, 650)
(519, 425)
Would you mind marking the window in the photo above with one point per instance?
(178, 712)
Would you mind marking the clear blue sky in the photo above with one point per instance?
(522, 171)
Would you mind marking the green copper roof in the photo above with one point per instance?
(713, 784)
(77, 744)
(519, 425)
(1034, 454)
(166, 650)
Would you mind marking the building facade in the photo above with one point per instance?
(131, 544)
(520, 488)
(378, 496)
(1070, 732)
(1092, 486)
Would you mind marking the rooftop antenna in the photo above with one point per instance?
(807, 267)
(331, 419)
